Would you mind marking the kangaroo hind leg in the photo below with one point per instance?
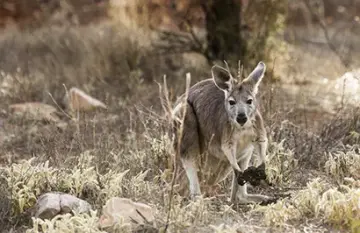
(189, 149)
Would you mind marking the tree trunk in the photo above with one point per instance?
(223, 21)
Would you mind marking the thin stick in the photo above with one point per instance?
(239, 71)
(228, 68)
(52, 98)
(165, 94)
(177, 152)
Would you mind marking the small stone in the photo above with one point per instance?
(49, 205)
(117, 208)
(77, 100)
(69, 203)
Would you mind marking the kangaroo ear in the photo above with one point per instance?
(222, 78)
(256, 76)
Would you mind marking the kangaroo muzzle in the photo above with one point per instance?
(241, 118)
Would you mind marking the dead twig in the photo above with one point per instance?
(182, 42)
(177, 152)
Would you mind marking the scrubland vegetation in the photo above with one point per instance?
(313, 156)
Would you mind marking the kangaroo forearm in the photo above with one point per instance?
(262, 151)
(261, 137)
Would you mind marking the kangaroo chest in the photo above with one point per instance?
(215, 166)
(238, 141)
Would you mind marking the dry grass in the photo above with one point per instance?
(123, 151)
(320, 201)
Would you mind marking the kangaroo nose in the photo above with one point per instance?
(241, 118)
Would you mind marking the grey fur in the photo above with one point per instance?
(213, 143)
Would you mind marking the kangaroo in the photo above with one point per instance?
(221, 128)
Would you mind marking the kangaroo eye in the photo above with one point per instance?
(249, 101)
(232, 102)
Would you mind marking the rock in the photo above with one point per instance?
(49, 205)
(116, 208)
(77, 100)
(35, 111)
(69, 203)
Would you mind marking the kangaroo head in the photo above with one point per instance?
(240, 97)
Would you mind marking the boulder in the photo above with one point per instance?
(49, 205)
(124, 210)
(35, 111)
(72, 204)
(77, 100)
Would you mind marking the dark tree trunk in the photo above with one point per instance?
(223, 21)
(330, 9)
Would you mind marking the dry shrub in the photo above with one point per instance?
(5, 201)
(90, 58)
(308, 135)
(281, 164)
(321, 199)
(94, 58)
(198, 215)
(343, 164)
(29, 179)
(67, 223)
(340, 206)
(92, 160)
(303, 204)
